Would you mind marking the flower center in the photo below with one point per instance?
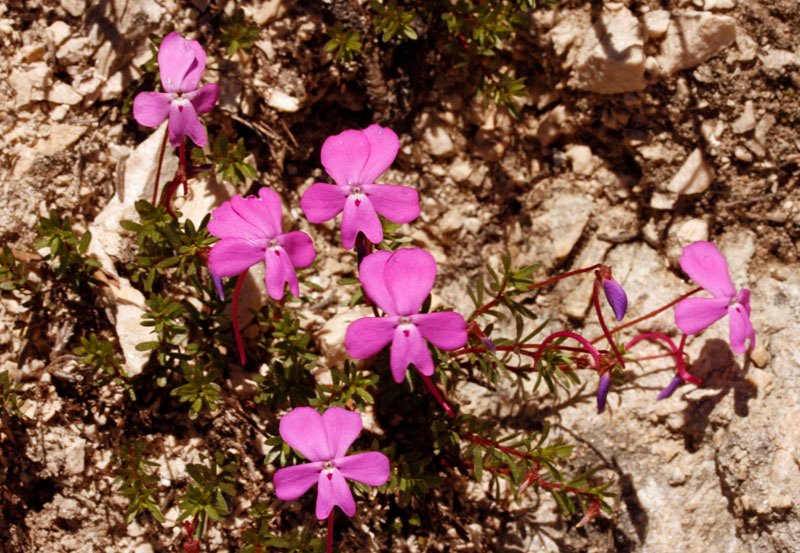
(179, 101)
(406, 321)
(328, 469)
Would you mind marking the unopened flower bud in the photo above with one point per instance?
(676, 382)
(602, 391)
(616, 297)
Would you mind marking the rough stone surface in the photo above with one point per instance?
(610, 58)
(694, 176)
(692, 38)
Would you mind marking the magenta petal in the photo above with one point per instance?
(368, 336)
(227, 223)
(279, 272)
(741, 329)
(299, 247)
(332, 489)
(231, 256)
(360, 216)
(292, 482)
(268, 204)
(344, 156)
(343, 427)
(322, 202)
(302, 428)
(150, 108)
(183, 121)
(409, 274)
(252, 210)
(408, 347)
(399, 204)
(383, 147)
(204, 98)
(444, 329)
(370, 468)
(175, 57)
(695, 314)
(707, 266)
(372, 275)
(195, 72)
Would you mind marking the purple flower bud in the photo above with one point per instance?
(489, 344)
(616, 297)
(218, 285)
(677, 381)
(602, 391)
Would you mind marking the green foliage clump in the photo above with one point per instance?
(137, 481)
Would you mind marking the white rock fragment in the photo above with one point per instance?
(776, 59)
(719, 4)
(460, 170)
(581, 158)
(746, 121)
(58, 32)
(692, 38)
(610, 58)
(75, 456)
(655, 23)
(438, 142)
(62, 93)
(30, 84)
(694, 176)
(75, 8)
(281, 101)
(553, 125)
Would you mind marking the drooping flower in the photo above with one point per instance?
(355, 160)
(324, 440)
(616, 297)
(250, 231)
(398, 283)
(181, 64)
(704, 263)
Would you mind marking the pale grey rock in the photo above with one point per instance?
(555, 124)
(694, 176)
(746, 121)
(58, 32)
(610, 57)
(692, 38)
(581, 158)
(460, 170)
(655, 23)
(280, 101)
(30, 84)
(719, 4)
(776, 59)
(75, 8)
(577, 292)
(62, 93)
(437, 141)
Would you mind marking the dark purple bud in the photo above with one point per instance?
(218, 285)
(361, 247)
(489, 344)
(616, 297)
(602, 391)
(677, 381)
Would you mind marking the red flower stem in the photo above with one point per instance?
(438, 395)
(329, 547)
(556, 278)
(505, 449)
(650, 315)
(235, 316)
(520, 347)
(589, 348)
(183, 166)
(599, 310)
(653, 337)
(161, 153)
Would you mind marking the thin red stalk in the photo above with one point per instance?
(505, 449)
(521, 347)
(183, 165)
(653, 337)
(590, 349)
(556, 278)
(652, 314)
(437, 394)
(599, 310)
(329, 547)
(235, 316)
(158, 167)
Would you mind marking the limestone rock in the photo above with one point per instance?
(694, 176)
(30, 84)
(610, 58)
(281, 101)
(692, 38)
(438, 142)
(746, 121)
(656, 23)
(62, 93)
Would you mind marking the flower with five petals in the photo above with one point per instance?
(324, 441)
(355, 159)
(704, 263)
(181, 64)
(398, 283)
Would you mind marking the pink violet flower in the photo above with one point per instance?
(704, 263)
(250, 231)
(324, 441)
(355, 160)
(398, 283)
(181, 64)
